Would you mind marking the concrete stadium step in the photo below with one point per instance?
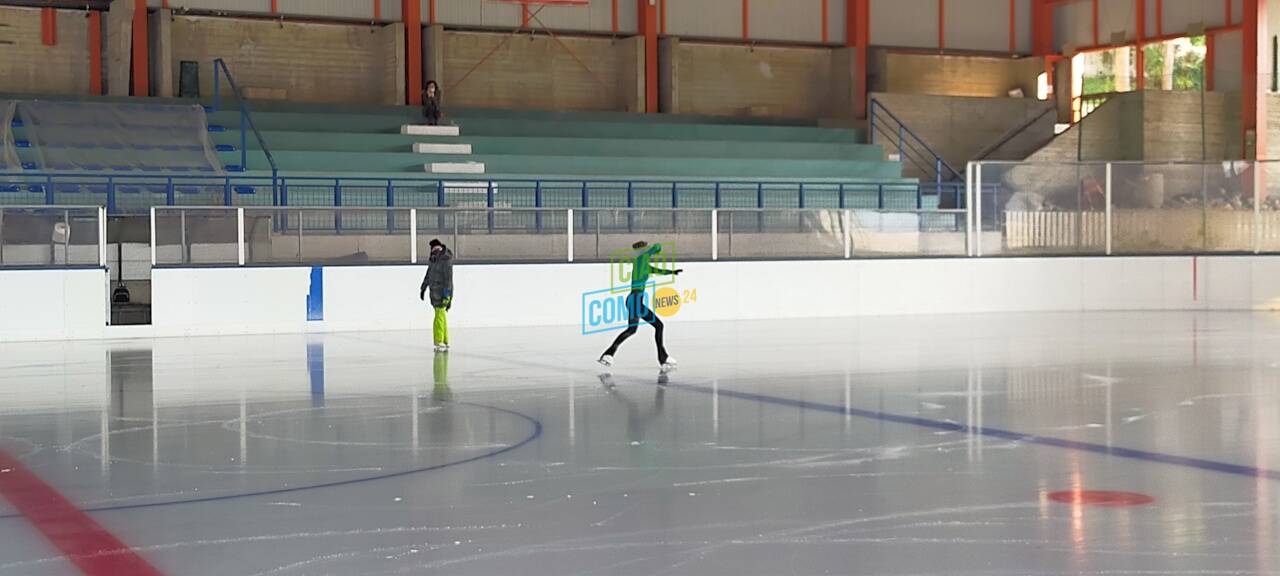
(455, 167)
(424, 130)
(500, 145)
(432, 148)
(595, 166)
(609, 116)
(295, 122)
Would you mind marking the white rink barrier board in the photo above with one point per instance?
(53, 304)
(211, 301)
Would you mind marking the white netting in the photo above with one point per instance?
(8, 152)
(119, 137)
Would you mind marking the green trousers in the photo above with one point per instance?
(440, 327)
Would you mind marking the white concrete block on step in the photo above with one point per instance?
(455, 167)
(429, 148)
(420, 130)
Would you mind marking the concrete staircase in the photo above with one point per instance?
(446, 149)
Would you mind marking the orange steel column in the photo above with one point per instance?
(648, 21)
(1141, 60)
(1210, 59)
(1253, 89)
(942, 24)
(412, 11)
(48, 26)
(1095, 23)
(857, 35)
(141, 54)
(1041, 28)
(826, 20)
(1013, 26)
(95, 52)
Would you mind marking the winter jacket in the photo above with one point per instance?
(439, 278)
(432, 110)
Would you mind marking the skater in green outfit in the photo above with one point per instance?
(641, 268)
(439, 281)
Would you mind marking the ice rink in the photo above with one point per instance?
(1122, 443)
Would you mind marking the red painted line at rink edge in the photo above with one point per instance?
(1195, 278)
(94, 550)
(1104, 498)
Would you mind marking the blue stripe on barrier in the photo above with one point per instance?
(315, 297)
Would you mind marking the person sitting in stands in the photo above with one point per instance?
(432, 104)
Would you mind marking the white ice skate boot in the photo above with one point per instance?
(669, 365)
(606, 360)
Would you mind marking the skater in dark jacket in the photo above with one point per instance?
(432, 103)
(641, 268)
(439, 282)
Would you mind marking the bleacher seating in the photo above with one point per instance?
(357, 141)
(558, 145)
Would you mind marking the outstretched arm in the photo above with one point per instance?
(656, 248)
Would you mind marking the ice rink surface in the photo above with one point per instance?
(1120, 443)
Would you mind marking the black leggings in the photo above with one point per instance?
(637, 311)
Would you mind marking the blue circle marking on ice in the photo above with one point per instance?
(533, 435)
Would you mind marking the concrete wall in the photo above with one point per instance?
(329, 9)
(729, 80)
(52, 304)
(1273, 122)
(713, 19)
(1112, 132)
(1154, 126)
(974, 25)
(310, 62)
(160, 42)
(910, 73)
(1117, 20)
(266, 300)
(538, 72)
(597, 16)
(1174, 129)
(958, 128)
(1228, 68)
(27, 65)
(118, 22)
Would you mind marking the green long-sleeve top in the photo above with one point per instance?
(642, 268)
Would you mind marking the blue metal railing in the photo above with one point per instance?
(911, 147)
(124, 193)
(246, 119)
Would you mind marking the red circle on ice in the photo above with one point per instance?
(1101, 498)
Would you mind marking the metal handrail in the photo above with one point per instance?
(1097, 100)
(904, 130)
(1011, 134)
(233, 185)
(924, 160)
(246, 116)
